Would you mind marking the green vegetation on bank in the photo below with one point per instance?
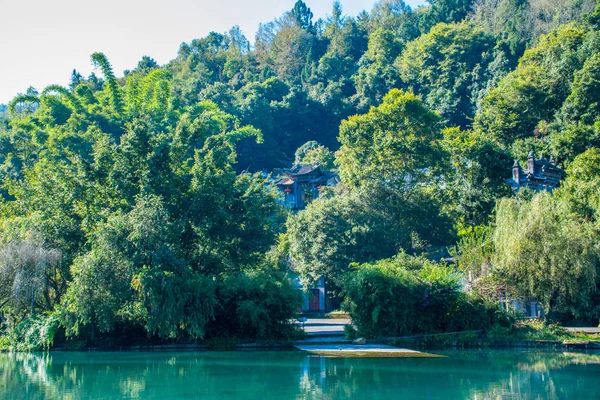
(520, 334)
(406, 295)
(134, 209)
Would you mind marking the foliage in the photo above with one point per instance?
(474, 180)
(33, 334)
(312, 152)
(361, 226)
(124, 211)
(32, 279)
(256, 305)
(520, 23)
(331, 233)
(545, 254)
(535, 92)
(581, 188)
(99, 60)
(449, 67)
(473, 254)
(397, 142)
(393, 298)
(536, 330)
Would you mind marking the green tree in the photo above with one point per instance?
(362, 226)
(377, 73)
(404, 295)
(312, 152)
(445, 11)
(449, 68)
(31, 278)
(303, 15)
(544, 254)
(581, 189)
(396, 144)
(535, 91)
(478, 167)
(583, 105)
(332, 233)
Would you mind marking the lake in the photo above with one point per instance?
(465, 374)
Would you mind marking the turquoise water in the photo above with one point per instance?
(294, 375)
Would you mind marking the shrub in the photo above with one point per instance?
(388, 299)
(33, 333)
(255, 305)
(350, 332)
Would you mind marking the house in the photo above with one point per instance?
(301, 184)
(540, 174)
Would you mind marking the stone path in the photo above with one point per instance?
(325, 326)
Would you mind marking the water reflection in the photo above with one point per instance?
(284, 375)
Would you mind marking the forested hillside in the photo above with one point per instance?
(135, 203)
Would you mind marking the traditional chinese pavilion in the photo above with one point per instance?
(302, 183)
(540, 174)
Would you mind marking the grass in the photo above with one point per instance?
(522, 331)
(338, 315)
(536, 330)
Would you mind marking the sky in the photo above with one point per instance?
(42, 41)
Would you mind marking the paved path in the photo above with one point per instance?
(325, 326)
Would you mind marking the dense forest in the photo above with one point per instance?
(136, 206)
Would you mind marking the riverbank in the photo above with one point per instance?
(327, 331)
(523, 334)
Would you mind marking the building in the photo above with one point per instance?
(540, 174)
(301, 184)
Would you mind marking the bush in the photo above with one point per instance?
(388, 299)
(350, 332)
(4, 342)
(255, 305)
(33, 333)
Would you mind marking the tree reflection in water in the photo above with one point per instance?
(278, 375)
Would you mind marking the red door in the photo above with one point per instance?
(314, 303)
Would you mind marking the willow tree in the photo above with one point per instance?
(545, 254)
(31, 279)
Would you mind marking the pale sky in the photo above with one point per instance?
(42, 41)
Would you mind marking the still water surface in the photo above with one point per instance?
(463, 374)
